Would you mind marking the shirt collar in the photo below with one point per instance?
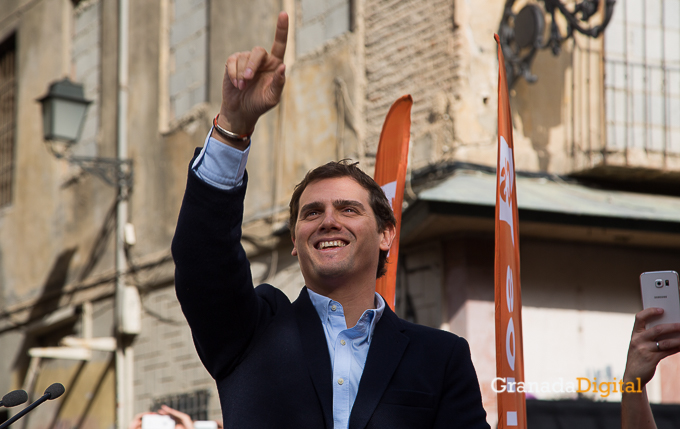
(322, 305)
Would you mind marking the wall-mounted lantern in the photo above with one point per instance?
(63, 110)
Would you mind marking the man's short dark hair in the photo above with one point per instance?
(346, 168)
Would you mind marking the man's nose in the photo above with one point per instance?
(330, 220)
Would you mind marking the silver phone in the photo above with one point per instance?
(660, 289)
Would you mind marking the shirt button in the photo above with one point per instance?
(333, 307)
(343, 342)
(340, 381)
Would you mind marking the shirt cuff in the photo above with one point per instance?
(220, 165)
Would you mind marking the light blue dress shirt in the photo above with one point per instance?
(348, 349)
(223, 166)
(220, 165)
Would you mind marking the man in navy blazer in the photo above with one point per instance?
(299, 365)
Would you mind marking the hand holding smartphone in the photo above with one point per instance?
(155, 421)
(660, 289)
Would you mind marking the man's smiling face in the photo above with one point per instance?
(336, 234)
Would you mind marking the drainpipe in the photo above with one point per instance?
(124, 358)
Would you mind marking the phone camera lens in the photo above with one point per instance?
(658, 283)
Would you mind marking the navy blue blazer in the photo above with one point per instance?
(269, 356)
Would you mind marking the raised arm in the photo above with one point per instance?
(212, 274)
(643, 357)
(253, 82)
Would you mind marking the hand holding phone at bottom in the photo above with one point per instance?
(645, 351)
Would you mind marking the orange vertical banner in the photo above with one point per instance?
(509, 350)
(390, 173)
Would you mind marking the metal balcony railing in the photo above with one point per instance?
(624, 109)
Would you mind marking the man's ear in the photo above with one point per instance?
(294, 252)
(387, 237)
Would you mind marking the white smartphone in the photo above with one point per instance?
(660, 289)
(155, 421)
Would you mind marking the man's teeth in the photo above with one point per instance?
(336, 243)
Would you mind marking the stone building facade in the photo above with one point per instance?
(579, 128)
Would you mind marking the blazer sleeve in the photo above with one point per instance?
(461, 405)
(212, 274)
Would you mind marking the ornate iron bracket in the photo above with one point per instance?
(115, 172)
(522, 34)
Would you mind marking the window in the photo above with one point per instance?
(194, 404)
(642, 76)
(321, 21)
(7, 118)
(86, 57)
(188, 44)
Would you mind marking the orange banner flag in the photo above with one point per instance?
(509, 350)
(390, 173)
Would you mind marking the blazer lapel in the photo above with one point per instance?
(387, 348)
(315, 348)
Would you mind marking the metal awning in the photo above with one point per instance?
(471, 194)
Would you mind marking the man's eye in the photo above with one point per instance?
(350, 210)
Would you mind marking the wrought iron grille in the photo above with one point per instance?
(7, 118)
(194, 404)
(642, 77)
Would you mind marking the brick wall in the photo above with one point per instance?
(166, 361)
(410, 50)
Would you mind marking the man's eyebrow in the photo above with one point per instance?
(316, 205)
(348, 203)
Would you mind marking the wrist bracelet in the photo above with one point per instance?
(228, 134)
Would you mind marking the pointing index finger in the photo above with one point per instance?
(281, 37)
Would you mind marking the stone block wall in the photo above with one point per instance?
(166, 362)
(409, 48)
